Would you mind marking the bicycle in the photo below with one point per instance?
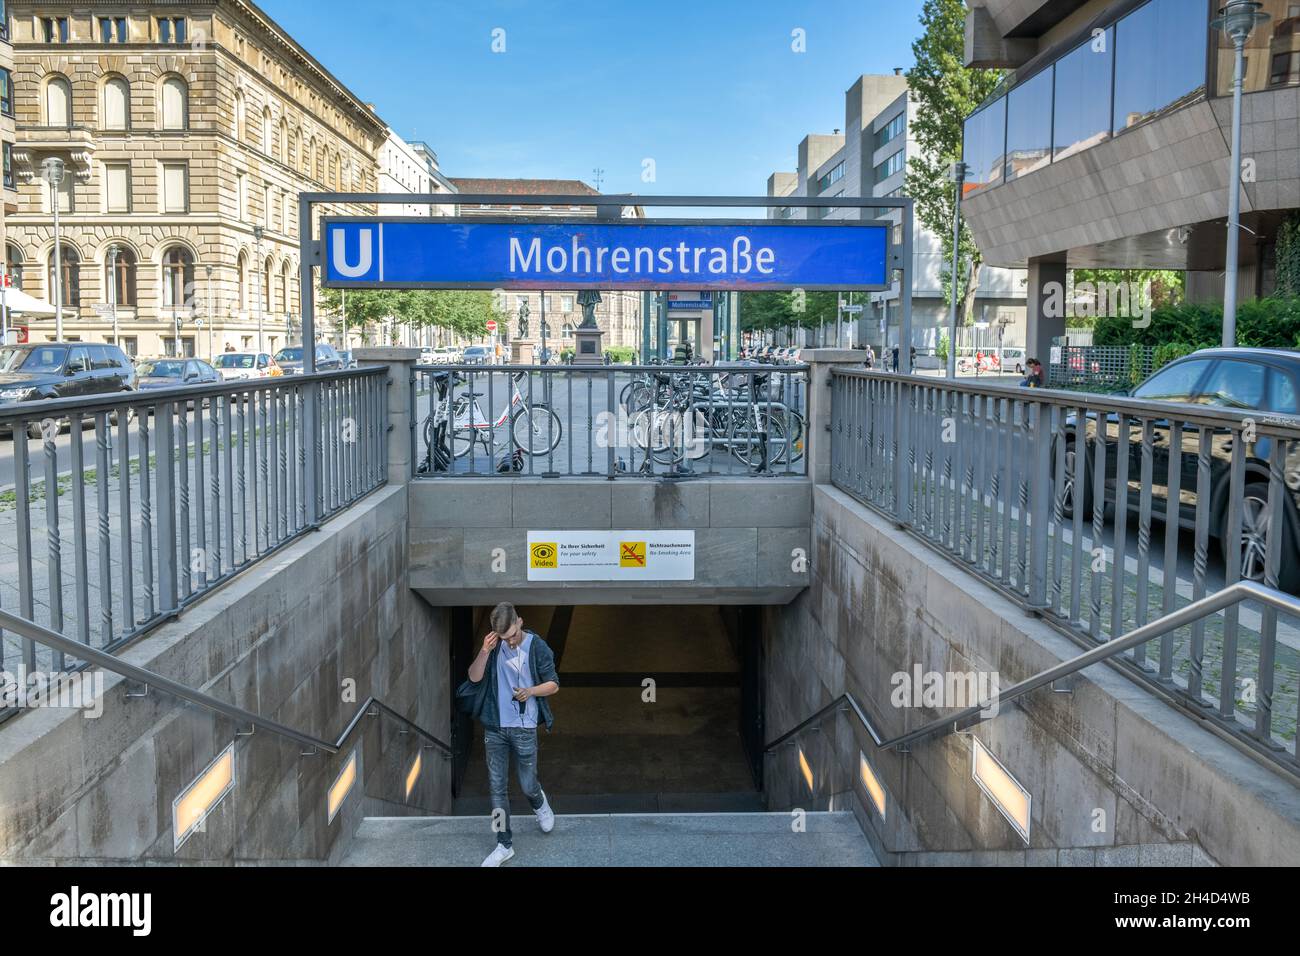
(535, 429)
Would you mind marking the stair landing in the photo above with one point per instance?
(628, 839)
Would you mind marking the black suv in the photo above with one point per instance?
(33, 372)
(1245, 380)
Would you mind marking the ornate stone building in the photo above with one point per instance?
(187, 131)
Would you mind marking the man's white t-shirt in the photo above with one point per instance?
(514, 670)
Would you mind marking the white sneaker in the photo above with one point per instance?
(499, 855)
(545, 815)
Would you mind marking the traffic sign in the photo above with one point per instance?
(374, 252)
(491, 325)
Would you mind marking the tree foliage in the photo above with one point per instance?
(945, 93)
(461, 311)
(772, 311)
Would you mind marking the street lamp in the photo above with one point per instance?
(112, 288)
(257, 266)
(957, 176)
(52, 170)
(207, 270)
(1237, 20)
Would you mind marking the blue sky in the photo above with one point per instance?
(710, 90)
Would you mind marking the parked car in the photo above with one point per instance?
(477, 355)
(34, 372)
(349, 360)
(171, 372)
(239, 365)
(1238, 379)
(327, 359)
(426, 356)
(444, 355)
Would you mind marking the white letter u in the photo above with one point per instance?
(365, 239)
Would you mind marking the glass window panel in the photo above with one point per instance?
(1029, 125)
(1272, 52)
(1174, 383)
(117, 183)
(1159, 59)
(174, 105)
(1234, 385)
(58, 103)
(116, 104)
(983, 146)
(1081, 117)
(174, 187)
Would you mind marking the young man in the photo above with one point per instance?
(1033, 374)
(519, 669)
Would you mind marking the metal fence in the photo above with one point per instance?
(150, 499)
(1023, 488)
(608, 421)
(1102, 368)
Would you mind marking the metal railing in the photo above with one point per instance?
(1102, 368)
(1021, 487)
(992, 707)
(153, 498)
(609, 421)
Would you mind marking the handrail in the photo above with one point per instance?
(43, 635)
(1233, 594)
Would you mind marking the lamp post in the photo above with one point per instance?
(112, 288)
(257, 236)
(1237, 20)
(207, 271)
(52, 170)
(957, 176)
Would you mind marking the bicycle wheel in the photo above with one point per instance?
(536, 430)
(749, 437)
(637, 396)
(650, 430)
(793, 443)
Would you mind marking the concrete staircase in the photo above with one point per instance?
(657, 839)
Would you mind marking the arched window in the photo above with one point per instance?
(284, 287)
(266, 131)
(177, 276)
(334, 171)
(243, 282)
(282, 136)
(309, 157)
(320, 165)
(14, 265)
(58, 103)
(70, 270)
(241, 118)
(297, 151)
(265, 284)
(117, 104)
(175, 103)
(119, 279)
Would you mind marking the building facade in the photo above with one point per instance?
(8, 135)
(618, 313)
(869, 159)
(1108, 145)
(413, 168)
(187, 132)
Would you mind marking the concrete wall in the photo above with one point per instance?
(280, 640)
(881, 602)
(746, 531)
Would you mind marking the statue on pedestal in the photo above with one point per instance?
(588, 299)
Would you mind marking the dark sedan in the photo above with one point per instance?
(170, 372)
(327, 359)
(1265, 381)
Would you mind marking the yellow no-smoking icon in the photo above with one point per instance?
(631, 554)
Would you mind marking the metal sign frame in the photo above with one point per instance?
(549, 285)
(608, 209)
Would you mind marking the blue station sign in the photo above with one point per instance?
(361, 253)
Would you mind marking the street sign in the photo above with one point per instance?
(376, 252)
(852, 309)
(491, 325)
(102, 309)
(695, 301)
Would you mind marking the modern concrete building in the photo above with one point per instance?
(1109, 143)
(869, 159)
(412, 168)
(619, 312)
(187, 132)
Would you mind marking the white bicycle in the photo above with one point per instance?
(535, 429)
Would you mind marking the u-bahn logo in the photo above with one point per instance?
(631, 554)
(544, 554)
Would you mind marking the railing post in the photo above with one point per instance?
(1041, 494)
(820, 362)
(165, 475)
(402, 414)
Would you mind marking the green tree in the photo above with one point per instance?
(460, 311)
(945, 92)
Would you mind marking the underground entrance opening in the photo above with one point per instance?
(659, 710)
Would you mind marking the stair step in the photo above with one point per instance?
(618, 839)
(750, 801)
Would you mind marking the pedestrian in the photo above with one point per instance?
(229, 347)
(1034, 374)
(509, 683)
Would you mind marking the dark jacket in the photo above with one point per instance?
(541, 661)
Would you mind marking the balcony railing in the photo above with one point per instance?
(1022, 487)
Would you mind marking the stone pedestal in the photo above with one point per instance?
(401, 366)
(521, 353)
(586, 347)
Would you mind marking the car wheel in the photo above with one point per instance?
(1076, 480)
(1252, 551)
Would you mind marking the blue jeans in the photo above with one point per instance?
(500, 744)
